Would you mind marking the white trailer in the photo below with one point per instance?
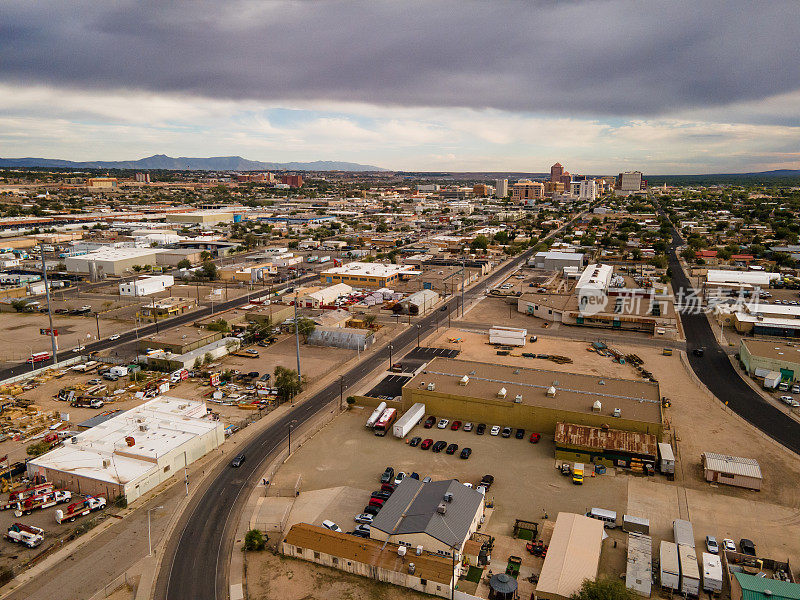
(407, 422)
(683, 532)
(670, 575)
(690, 571)
(666, 463)
(772, 379)
(324, 259)
(507, 336)
(712, 573)
(376, 414)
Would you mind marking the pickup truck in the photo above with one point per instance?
(27, 535)
(87, 403)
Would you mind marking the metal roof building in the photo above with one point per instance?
(639, 574)
(732, 470)
(439, 515)
(752, 587)
(605, 446)
(572, 557)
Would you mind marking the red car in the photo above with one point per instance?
(430, 422)
(456, 425)
(535, 437)
(426, 444)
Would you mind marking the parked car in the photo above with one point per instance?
(796, 389)
(238, 460)
(371, 509)
(535, 437)
(415, 442)
(388, 475)
(465, 453)
(429, 422)
(520, 434)
(788, 400)
(495, 430)
(94, 381)
(331, 525)
(468, 426)
(381, 494)
(364, 528)
(387, 487)
(113, 337)
(414, 475)
(439, 446)
(487, 480)
(506, 432)
(359, 533)
(426, 444)
(443, 423)
(747, 547)
(376, 502)
(110, 376)
(480, 429)
(728, 544)
(364, 518)
(427, 480)
(399, 478)
(456, 425)
(452, 448)
(711, 544)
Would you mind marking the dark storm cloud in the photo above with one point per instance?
(584, 58)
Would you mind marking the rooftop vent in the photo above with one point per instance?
(419, 550)
(411, 568)
(501, 393)
(518, 398)
(551, 391)
(448, 497)
(442, 508)
(597, 406)
(431, 386)
(106, 463)
(617, 412)
(401, 551)
(464, 380)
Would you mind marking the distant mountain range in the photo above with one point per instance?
(169, 163)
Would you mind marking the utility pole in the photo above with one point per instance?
(97, 322)
(49, 311)
(155, 314)
(463, 269)
(297, 338)
(341, 391)
(418, 328)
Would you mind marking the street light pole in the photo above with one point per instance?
(49, 311)
(390, 357)
(418, 329)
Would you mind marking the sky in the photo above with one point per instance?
(601, 86)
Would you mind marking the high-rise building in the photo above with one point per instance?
(629, 181)
(556, 171)
(587, 189)
(292, 180)
(501, 188)
(482, 190)
(143, 177)
(525, 190)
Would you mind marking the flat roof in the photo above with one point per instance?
(789, 352)
(370, 552)
(596, 438)
(754, 277)
(369, 269)
(732, 465)
(572, 557)
(157, 427)
(116, 253)
(638, 400)
(181, 335)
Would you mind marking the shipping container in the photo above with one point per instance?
(712, 573)
(376, 414)
(690, 571)
(407, 422)
(670, 574)
(683, 532)
(633, 524)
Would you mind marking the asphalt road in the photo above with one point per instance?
(715, 370)
(196, 561)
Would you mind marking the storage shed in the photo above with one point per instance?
(732, 470)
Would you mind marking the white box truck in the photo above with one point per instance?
(683, 532)
(406, 423)
(376, 414)
(324, 259)
(712, 573)
(670, 575)
(771, 380)
(690, 571)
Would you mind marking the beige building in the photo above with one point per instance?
(759, 356)
(112, 261)
(201, 217)
(535, 399)
(102, 183)
(527, 190)
(732, 470)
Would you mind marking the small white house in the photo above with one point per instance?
(147, 285)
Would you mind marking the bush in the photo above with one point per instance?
(351, 400)
(37, 449)
(254, 540)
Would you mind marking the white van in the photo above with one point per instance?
(608, 517)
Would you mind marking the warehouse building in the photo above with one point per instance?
(144, 286)
(342, 337)
(418, 303)
(760, 357)
(572, 556)
(427, 572)
(201, 217)
(745, 586)
(323, 296)
(535, 399)
(134, 452)
(111, 261)
(732, 470)
(179, 340)
(372, 275)
(609, 447)
(556, 261)
(776, 320)
(438, 516)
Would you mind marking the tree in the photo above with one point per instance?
(305, 327)
(501, 237)
(481, 242)
(209, 270)
(207, 358)
(218, 325)
(254, 540)
(369, 320)
(605, 588)
(205, 255)
(37, 449)
(21, 305)
(184, 264)
(137, 268)
(287, 382)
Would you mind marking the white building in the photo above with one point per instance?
(630, 181)
(111, 261)
(556, 261)
(132, 453)
(587, 190)
(147, 285)
(324, 296)
(501, 188)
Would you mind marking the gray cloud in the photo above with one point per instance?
(597, 58)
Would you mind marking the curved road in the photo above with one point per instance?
(716, 372)
(196, 561)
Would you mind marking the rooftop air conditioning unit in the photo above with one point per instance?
(617, 412)
(106, 463)
(419, 550)
(551, 391)
(464, 380)
(442, 508)
(431, 387)
(448, 497)
(597, 406)
(501, 393)
(143, 427)
(401, 551)
(518, 398)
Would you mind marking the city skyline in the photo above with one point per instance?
(601, 86)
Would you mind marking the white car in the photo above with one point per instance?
(331, 525)
(790, 401)
(467, 426)
(364, 518)
(443, 423)
(399, 478)
(728, 544)
(114, 337)
(495, 430)
(796, 389)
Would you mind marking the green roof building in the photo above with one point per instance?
(751, 587)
